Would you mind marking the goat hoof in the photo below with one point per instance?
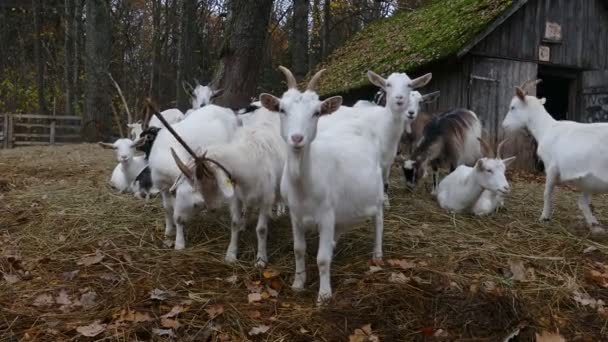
(169, 243)
(230, 259)
(324, 298)
(377, 259)
(179, 246)
(261, 263)
(297, 285)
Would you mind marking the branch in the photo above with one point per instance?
(122, 97)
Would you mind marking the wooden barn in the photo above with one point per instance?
(478, 50)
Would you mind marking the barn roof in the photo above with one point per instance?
(410, 40)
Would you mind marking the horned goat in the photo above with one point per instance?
(318, 177)
(128, 166)
(449, 138)
(572, 152)
(479, 189)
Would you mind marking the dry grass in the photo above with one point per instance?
(55, 208)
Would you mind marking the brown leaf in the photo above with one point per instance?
(87, 300)
(271, 273)
(91, 259)
(63, 298)
(169, 323)
(163, 332)
(272, 292)
(260, 329)
(132, 316)
(232, 279)
(161, 295)
(214, 310)
(176, 310)
(44, 300)
(374, 269)
(600, 278)
(518, 269)
(254, 297)
(11, 278)
(398, 278)
(401, 263)
(254, 287)
(69, 276)
(254, 314)
(364, 334)
(546, 336)
(92, 329)
(276, 284)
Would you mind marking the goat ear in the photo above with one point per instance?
(543, 101)
(520, 94)
(509, 160)
(185, 170)
(330, 105)
(479, 165)
(376, 79)
(139, 142)
(224, 183)
(421, 81)
(106, 145)
(431, 97)
(217, 92)
(270, 102)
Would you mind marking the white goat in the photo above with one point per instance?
(385, 122)
(572, 152)
(208, 126)
(244, 172)
(322, 167)
(172, 115)
(128, 166)
(479, 189)
(200, 95)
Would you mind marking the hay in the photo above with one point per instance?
(55, 209)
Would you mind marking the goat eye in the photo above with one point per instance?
(282, 111)
(489, 171)
(317, 113)
(512, 107)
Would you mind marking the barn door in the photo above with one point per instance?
(492, 84)
(594, 96)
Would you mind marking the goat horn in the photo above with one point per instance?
(188, 89)
(486, 146)
(529, 83)
(312, 85)
(218, 164)
(291, 80)
(499, 149)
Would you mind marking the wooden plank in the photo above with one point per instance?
(9, 132)
(47, 136)
(52, 133)
(5, 131)
(43, 143)
(46, 117)
(28, 125)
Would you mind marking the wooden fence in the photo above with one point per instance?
(36, 129)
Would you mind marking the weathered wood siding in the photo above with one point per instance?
(584, 28)
(594, 97)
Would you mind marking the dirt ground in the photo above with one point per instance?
(79, 260)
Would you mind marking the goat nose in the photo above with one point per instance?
(411, 113)
(297, 138)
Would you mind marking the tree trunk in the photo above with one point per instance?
(98, 122)
(242, 51)
(299, 50)
(38, 56)
(316, 45)
(326, 21)
(185, 64)
(154, 91)
(69, 55)
(79, 44)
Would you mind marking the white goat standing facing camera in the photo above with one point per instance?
(322, 166)
(572, 152)
(479, 189)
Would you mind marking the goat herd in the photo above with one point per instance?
(332, 171)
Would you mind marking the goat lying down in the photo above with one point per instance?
(479, 189)
(450, 138)
(572, 152)
(129, 165)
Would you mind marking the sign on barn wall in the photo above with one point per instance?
(544, 53)
(595, 96)
(553, 32)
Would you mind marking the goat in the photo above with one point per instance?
(322, 166)
(245, 171)
(209, 125)
(416, 120)
(128, 166)
(479, 189)
(385, 122)
(200, 95)
(572, 152)
(451, 138)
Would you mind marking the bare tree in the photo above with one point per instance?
(242, 51)
(185, 63)
(98, 122)
(299, 50)
(69, 61)
(326, 29)
(37, 8)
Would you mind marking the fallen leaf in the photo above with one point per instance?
(260, 329)
(401, 263)
(398, 278)
(254, 287)
(176, 310)
(254, 314)
(126, 315)
(11, 278)
(374, 269)
(91, 259)
(270, 273)
(265, 295)
(169, 323)
(304, 331)
(69, 276)
(92, 329)
(109, 277)
(87, 300)
(589, 249)
(546, 336)
(63, 298)
(254, 297)
(518, 269)
(161, 295)
(215, 310)
(440, 333)
(232, 279)
(44, 300)
(364, 334)
(273, 293)
(163, 332)
(586, 300)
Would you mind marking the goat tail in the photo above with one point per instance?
(170, 129)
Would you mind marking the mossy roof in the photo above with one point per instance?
(409, 40)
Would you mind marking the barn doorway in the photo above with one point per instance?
(558, 88)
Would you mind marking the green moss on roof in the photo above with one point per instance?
(408, 40)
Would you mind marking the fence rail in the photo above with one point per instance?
(37, 129)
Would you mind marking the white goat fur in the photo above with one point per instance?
(318, 177)
(172, 115)
(387, 122)
(128, 166)
(255, 159)
(208, 126)
(572, 152)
